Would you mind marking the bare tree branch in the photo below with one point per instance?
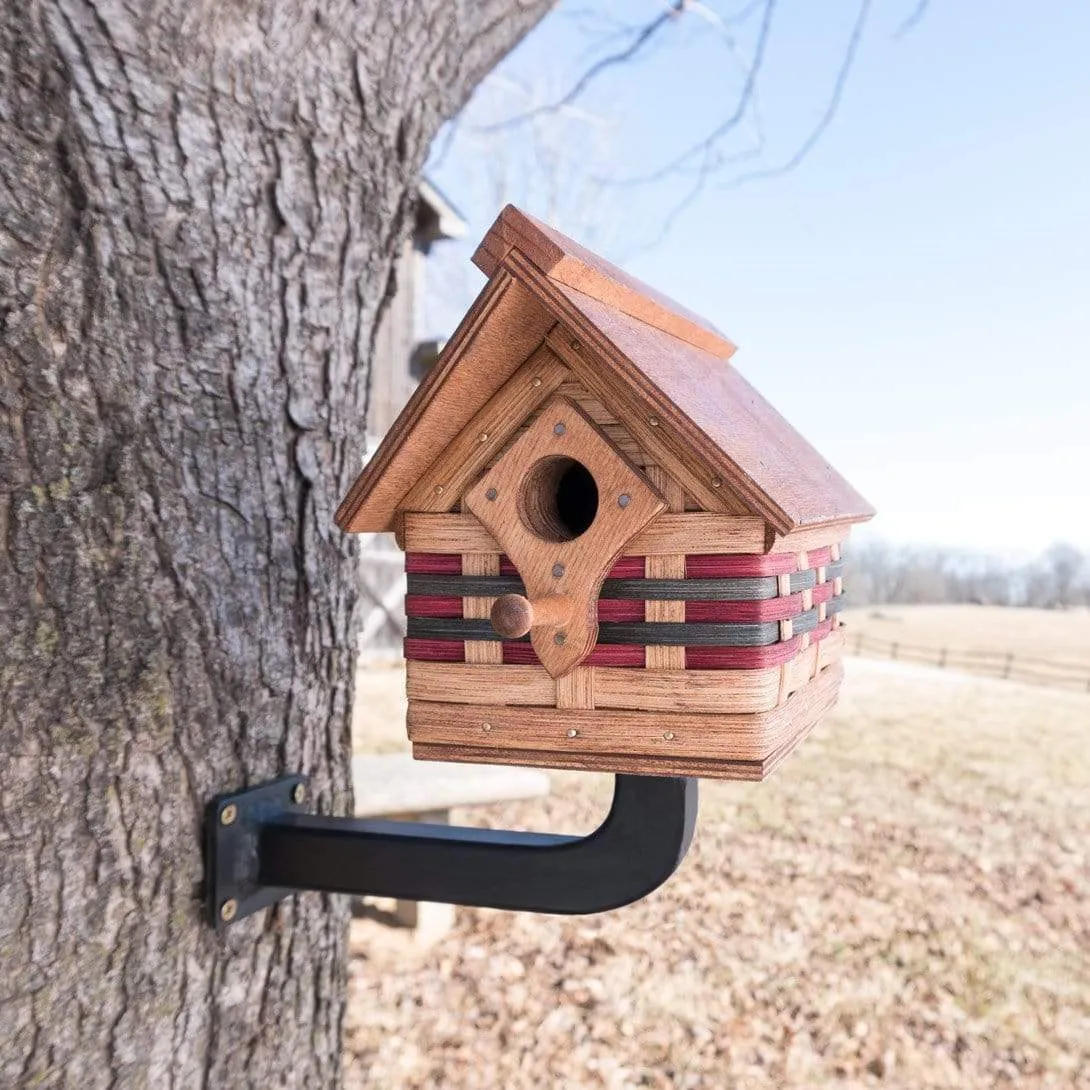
(828, 114)
(913, 20)
(706, 148)
(591, 74)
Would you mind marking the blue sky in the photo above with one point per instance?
(914, 296)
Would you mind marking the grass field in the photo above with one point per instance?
(906, 903)
(1057, 636)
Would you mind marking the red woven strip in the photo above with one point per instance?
(773, 609)
(823, 592)
(739, 566)
(741, 658)
(523, 654)
(822, 629)
(628, 567)
(435, 650)
(430, 605)
(433, 564)
(617, 609)
(819, 557)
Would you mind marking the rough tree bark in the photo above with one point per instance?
(199, 205)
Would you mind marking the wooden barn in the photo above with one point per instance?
(619, 555)
(401, 360)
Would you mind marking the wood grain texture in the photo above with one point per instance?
(691, 532)
(650, 743)
(672, 690)
(497, 335)
(704, 405)
(816, 537)
(646, 425)
(512, 496)
(480, 651)
(440, 488)
(464, 683)
(565, 261)
(576, 689)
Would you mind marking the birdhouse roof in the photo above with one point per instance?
(665, 363)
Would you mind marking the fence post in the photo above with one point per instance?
(893, 650)
(859, 645)
(942, 658)
(1007, 665)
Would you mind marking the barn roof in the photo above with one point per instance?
(666, 363)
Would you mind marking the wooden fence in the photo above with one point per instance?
(1001, 664)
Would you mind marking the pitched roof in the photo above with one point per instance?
(670, 363)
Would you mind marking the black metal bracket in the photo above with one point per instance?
(260, 846)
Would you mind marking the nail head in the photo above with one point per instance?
(560, 639)
(572, 732)
(299, 793)
(560, 429)
(624, 499)
(491, 494)
(228, 910)
(558, 570)
(228, 814)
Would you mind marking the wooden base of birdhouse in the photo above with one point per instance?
(731, 745)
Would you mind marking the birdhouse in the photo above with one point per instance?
(619, 556)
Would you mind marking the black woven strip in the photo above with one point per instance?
(453, 628)
(662, 633)
(803, 580)
(804, 622)
(834, 571)
(834, 605)
(677, 633)
(466, 586)
(653, 590)
(692, 590)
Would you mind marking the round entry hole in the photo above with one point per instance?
(559, 499)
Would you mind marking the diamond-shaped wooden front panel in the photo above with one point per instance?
(536, 502)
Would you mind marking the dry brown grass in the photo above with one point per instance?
(1055, 635)
(906, 903)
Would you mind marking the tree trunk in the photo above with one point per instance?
(200, 202)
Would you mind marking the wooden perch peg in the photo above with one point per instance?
(513, 615)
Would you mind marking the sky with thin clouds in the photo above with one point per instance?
(914, 295)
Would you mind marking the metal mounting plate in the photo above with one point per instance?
(232, 835)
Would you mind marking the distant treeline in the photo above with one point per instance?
(881, 572)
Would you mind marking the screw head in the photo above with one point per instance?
(572, 732)
(536, 381)
(491, 494)
(298, 793)
(560, 639)
(229, 910)
(668, 735)
(229, 814)
(624, 499)
(558, 570)
(654, 421)
(486, 727)
(438, 489)
(717, 482)
(483, 437)
(560, 429)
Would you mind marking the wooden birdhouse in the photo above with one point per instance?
(620, 557)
